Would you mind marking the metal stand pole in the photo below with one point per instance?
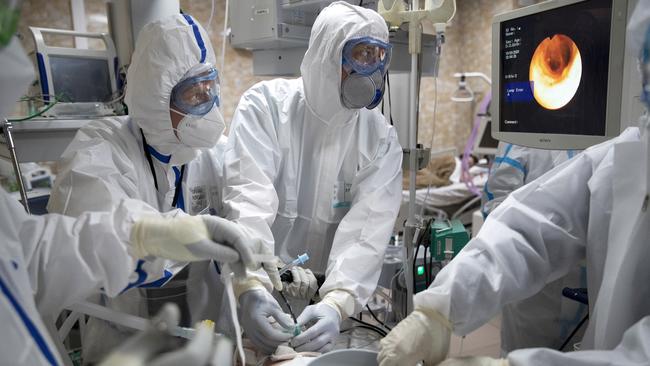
(14, 161)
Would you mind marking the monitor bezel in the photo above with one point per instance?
(614, 81)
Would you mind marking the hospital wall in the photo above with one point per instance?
(467, 48)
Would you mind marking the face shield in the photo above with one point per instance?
(198, 92)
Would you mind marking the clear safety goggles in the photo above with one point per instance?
(365, 55)
(197, 94)
(9, 15)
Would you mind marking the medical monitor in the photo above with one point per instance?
(77, 75)
(557, 71)
(81, 79)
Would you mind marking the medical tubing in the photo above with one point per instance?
(372, 314)
(469, 146)
(467, 152)
(286, 302)
(223, 40)
(226, 275)
(301, 259)
(208, 27)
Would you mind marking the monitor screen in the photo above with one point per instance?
(79, 79)
(554, 70)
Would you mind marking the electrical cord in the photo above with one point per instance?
(363, 327)
(372, 314)
(427, 263)
(574, 332)
(390, 102)
(34, 115)
(375, 328)
(415, 257)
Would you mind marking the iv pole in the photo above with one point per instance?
(439, 13)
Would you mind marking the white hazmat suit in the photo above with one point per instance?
(49, 262)
(592, 208)
(545, 319)
(538, 234)
(336, 171)
(108, 161)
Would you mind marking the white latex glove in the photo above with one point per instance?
(475, 361)
(257, 306)
(189, 238)
(198, 351)
(423, 335)
(320, 336)
(271, 266)
(147, 347)
(197, 238)
(304, 285)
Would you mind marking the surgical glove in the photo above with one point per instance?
(304, 285)
(475, 361)
(320, 336)
(188, 238)
(423, 335)
(152, 346)
(197, 351)
(271, 266)
(257, 306)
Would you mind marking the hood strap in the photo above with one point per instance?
(178, 200)
(145, 147)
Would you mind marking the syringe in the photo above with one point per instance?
(301, 259)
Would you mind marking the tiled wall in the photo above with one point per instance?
(467, 48)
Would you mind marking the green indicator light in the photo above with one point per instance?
(420, 270)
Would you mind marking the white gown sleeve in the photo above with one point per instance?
(68, 258)
(363, 234)
(536, 236)
(97, 175)
(633, 350)
(251, 164)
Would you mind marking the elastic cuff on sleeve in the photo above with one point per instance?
(435, 315)
(249, 283)
(340, 300)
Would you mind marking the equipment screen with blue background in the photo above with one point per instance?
(554, 70)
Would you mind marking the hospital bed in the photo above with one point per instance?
(451, 201)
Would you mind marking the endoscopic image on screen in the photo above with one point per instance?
(554, 70)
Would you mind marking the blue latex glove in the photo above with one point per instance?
(320, 336)
(257, 306)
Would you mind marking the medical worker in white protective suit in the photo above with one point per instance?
(49, 262)
(594, 207)
(547, 318)
(335, 165)
(166, 153)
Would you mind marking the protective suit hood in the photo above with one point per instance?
(164, 52)
(321, 66)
